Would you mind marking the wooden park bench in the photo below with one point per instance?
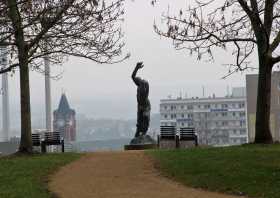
(51, 138)
(188, 134)
(168, 134)
(36, 139)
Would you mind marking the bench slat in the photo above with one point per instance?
(36, 139)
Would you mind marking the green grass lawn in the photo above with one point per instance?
(26, 176)
(253, 170)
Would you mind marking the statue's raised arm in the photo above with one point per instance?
(137, 80)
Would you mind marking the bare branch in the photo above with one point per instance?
(62, 28)
(9, 68)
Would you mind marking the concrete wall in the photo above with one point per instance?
(251, 92)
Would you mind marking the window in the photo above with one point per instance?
(182, 106)
(241, 105)
(182, 115)
(224, 123)
(182, 124)
(206, 106)
(241, 114)
(165, 107)
(189, 107)
(233, 113)
(165, 116)
(243, 131)
(224, 105)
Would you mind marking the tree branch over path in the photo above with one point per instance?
(31, 30)
(240, 25)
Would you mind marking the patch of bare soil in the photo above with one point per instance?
(129, 174)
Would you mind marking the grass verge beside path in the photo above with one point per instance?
(26, 176)
(252, 170)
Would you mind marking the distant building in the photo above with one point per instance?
(64, 120)
(219, 121)
(251, 89)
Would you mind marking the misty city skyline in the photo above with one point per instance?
(107, 91)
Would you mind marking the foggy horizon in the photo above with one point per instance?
(107, 91)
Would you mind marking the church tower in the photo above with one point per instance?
(64, 120)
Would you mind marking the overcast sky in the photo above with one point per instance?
(107, 91)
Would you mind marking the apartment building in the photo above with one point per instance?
(218, 121)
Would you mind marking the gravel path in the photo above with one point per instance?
(128, 174)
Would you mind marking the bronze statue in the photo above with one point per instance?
(144, 106)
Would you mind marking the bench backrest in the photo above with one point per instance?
(52, 138)
(168, 132)
(187, 132)
(36, 139)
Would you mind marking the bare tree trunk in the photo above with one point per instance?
(263, 134)
(26, 139)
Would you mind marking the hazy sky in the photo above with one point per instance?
(107, 91)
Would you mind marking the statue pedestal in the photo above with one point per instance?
(141, 143)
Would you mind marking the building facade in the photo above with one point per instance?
(64, 120)
(251, 89)
(218, 121)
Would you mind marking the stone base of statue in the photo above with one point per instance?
(141, 143)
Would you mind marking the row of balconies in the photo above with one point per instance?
(220, 118)
(214, 118)
(214, 121)
(201, 110)
(241, 113)
(208, 127)
(202, 106)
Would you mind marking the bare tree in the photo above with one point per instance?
(33, 29)
(241, 25)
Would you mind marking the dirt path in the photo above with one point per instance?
(119, 175)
